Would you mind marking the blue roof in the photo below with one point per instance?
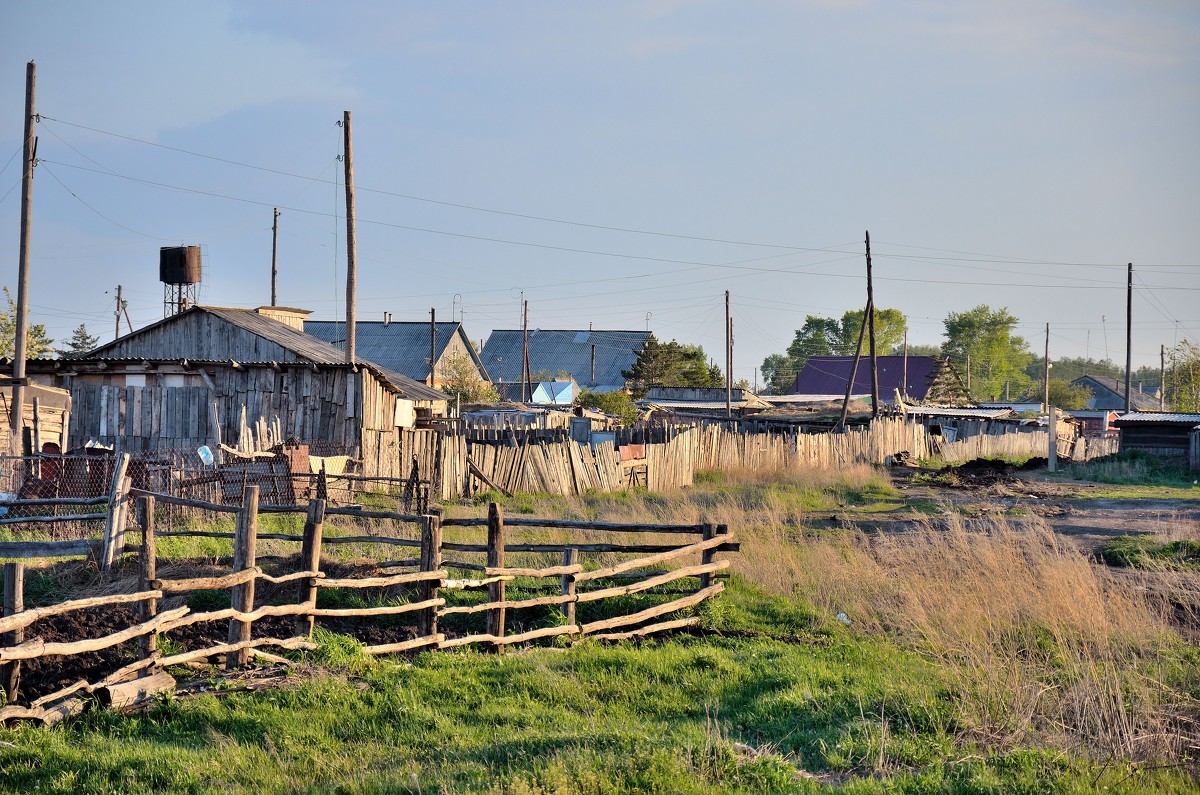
(566, 351)
(399, 346)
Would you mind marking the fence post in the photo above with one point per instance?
(149, 565)
(706, 557)
(242, 596)
(570, 558)
(431, 560)
(495, 558)
(14, 602)
(310, 560)
(115, 515)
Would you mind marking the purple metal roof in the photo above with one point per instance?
(827, 375)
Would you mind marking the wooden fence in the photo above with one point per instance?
(586, 568)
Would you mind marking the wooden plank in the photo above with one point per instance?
(662, 579)
(652, 560)
(653, 612)
(37, 647)
(407, 645)
(664, 626)
(24, 618)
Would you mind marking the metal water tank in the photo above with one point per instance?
(179, 265)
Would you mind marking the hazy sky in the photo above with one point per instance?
(620, 163)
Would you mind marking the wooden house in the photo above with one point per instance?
(190, 379)
(404, 347)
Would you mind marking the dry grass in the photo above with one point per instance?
(1037, 641)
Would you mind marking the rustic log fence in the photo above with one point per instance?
(599, 562)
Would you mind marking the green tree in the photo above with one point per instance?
(1183, 377)
(890, 325)
(671, 364)
(36, 343)
(461, 380)
(80, 343)
(616, 404)
(1065, 395)
(997, 356)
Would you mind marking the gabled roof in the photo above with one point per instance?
(303, 347)
(399, 346)
(566, 351)
(828, 375)
(559, 393)
(1116, 399)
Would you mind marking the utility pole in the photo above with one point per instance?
(869, 320)
(525, 352)
(904, 383)
(117, 333)
(351, 270)
(432, 344)
(274, 258)
(20, 341)
(1046, 373)
(853, 373)
(1162, 377)
(1129, 343)
(728, 360)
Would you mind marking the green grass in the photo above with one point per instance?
(1145, 552)
(1137, 469)
(743, 713)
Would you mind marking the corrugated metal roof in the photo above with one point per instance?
(937, 411)
(399, 346)
(303, 345)
(827, 375)
(566, 350)
(1140, 400)
(1161, 418)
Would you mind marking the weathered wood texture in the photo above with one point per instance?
(418, 594)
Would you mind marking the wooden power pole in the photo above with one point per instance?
(120, 301)
(351, 270)
(525, 374)
(1162, 377)
(728, 360)
(432, 344)
(869, 321)
(1046, 373)
(1129, 343)
(20, 340)
(275, 258)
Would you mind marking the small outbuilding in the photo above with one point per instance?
(1159, 433)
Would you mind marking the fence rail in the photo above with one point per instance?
(422, 593)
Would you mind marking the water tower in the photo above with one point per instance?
(179, 271)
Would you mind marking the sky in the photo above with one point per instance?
(619, 164)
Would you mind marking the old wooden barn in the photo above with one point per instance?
(189, 380)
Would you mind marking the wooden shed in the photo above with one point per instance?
(1165, 434)
(189, 380)
(46, 413)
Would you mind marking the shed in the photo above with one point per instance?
(1165, 434)
(186, 381)
(46, 417)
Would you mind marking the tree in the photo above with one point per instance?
(997, 356)
(81, 342)
(825, 336)
(616, 404)
(36, 341)
(1183, 377)
(461, 380)
(1065, 395)
(671, 364)
(890, 325)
